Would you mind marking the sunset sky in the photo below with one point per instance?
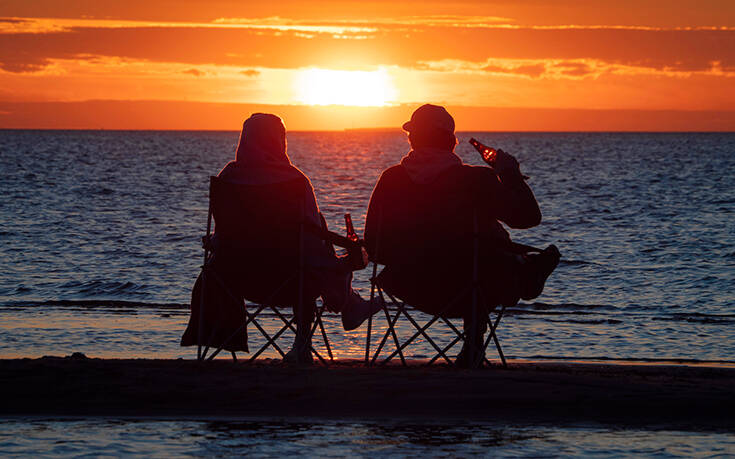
(496, 65)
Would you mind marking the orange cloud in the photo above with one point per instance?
(287, 44)
(672, 13)
(532, 70)
(195, 72)
(629, 54)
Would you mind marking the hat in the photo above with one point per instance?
(430, 117)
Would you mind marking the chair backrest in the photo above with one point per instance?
(423, 219)
(428, 236)
(262, 221)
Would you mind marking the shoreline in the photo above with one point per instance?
(636, 395)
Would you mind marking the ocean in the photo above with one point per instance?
(100, 243)
(101, 236)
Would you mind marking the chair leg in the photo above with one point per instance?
(270, 341)
(392, 328)
(390, 331)
(248, 318)
(373, 281)
(491, 336)
(495, 337)
(318, 323)
(324, 333)
(391, 324)
(492, 331)
(421, 331)
(200, 331)
(460, 336)
(289, 325)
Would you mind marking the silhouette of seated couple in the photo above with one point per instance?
(421, 224)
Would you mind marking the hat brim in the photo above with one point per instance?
(407, 126)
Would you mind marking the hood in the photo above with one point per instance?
(262, 141)
(261, 153)
(424, 165)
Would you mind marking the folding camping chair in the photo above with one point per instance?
(481, 310)
(274, 257)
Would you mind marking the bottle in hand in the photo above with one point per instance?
(488, 153)
(351, 234)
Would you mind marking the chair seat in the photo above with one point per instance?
(435, 290)
(258, 279)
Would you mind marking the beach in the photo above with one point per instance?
(625, 395)
(628, 352)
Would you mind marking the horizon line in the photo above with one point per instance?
(388, 129)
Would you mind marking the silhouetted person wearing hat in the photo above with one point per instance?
(420, 225)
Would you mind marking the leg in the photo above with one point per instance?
(473, 350)
(302, 343)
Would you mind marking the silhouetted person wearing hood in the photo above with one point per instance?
(261, 159)
(420, 225)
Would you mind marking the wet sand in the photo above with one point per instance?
(691, 397)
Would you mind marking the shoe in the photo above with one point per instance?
(537, 269)
(462, 360)
(357, 310)
(294, 356)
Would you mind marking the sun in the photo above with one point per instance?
(344, 87)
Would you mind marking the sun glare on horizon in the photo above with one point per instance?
(344, 87)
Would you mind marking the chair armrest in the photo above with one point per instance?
(354, 249)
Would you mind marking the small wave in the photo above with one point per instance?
(722, 201)
(91, 304)
(628, 359)
(178, 237)
(587, 322)
(574, 262)
(538, 306)
(563, 309)
(699, 317)
(526, 312)
(100, 287)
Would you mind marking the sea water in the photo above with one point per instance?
(333, 438)
(100, 246)
(100, 238)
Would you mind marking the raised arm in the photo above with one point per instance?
(514, 202)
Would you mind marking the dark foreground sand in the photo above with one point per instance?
(529, 392)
